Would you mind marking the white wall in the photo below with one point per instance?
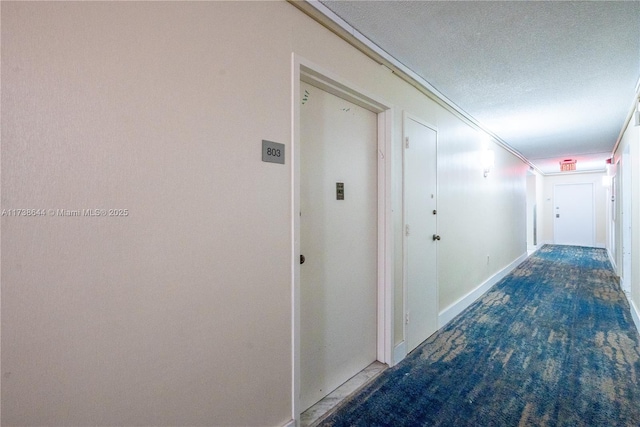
(180, 312)
(482, 221)
(600, 202)
(533, 192)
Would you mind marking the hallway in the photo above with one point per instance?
(182, 124)
(551, 344)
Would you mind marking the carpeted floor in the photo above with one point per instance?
(552, 344)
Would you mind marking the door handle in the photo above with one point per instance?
(436, 237)
(301, 259)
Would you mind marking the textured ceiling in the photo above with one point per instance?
(552, 79)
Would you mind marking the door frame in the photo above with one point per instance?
(402, 350)
(532, 210)
(593, 210)
(305, 70)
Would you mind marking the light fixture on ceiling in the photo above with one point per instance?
(488, 158)
(568, 165)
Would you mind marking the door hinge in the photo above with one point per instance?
(406, 318)
(406, 230)
(406, 142)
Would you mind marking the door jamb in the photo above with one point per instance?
(304, 70)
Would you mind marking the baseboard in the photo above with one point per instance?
(457, 307)
(635, 314)
(291, 423)
(399, 352)
(532, 249)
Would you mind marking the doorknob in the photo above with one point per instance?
(301, 259)
(436, 237)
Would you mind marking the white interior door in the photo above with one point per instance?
(573, 214)
(338, 238)
(420, 197)
(615, 221)
(625, 215)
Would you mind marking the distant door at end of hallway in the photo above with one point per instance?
(421, 317)
(573, 212)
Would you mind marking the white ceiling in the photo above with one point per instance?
(552, 79)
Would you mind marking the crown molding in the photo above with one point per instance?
(327, 18)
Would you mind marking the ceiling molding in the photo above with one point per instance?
(604, 170)
(327, 18)
(632, 110)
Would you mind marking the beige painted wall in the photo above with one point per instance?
(482, 221)
(531, 202)
(600, 203)
(180, 312)
(535, 197)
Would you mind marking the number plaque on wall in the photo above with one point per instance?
(272, 152)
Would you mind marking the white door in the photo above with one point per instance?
(615, 221)
(573, 214)
(421, 318)
(625, 215)
(338, 238)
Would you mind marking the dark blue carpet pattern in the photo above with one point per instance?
(552, 344)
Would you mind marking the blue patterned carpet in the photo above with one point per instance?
(552, 344)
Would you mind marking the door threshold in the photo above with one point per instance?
(325, 407)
